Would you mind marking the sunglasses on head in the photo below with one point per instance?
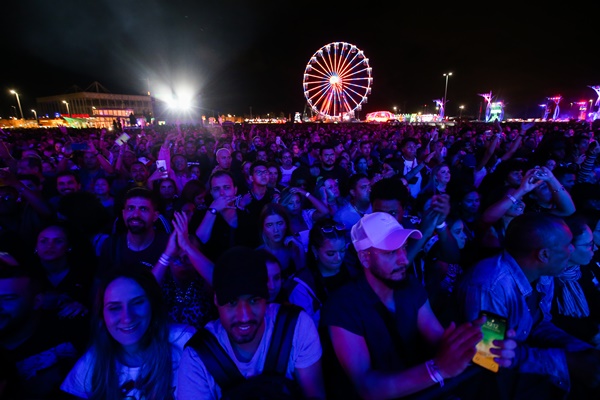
(331, 228)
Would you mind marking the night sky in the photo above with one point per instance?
(237, 55)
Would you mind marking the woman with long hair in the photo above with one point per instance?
(328, 190)
(277, 238)
(576, 301)
(441, 278)
(326, 269)
(134, 351)
(505, 205)
(303, 209)
(166, 193)
(437, 184)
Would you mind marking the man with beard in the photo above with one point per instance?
(66, 182)
(380, 337)
(329, 169)
(140, 243)
(245, 329)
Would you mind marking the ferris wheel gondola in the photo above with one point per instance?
(337, 81)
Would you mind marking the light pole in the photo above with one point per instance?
(460, 108)
(447, 75)
(67, 104)
(18, 102)
(34, 113)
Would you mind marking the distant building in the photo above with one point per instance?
(97, 108)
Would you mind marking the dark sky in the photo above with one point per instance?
(234, 55)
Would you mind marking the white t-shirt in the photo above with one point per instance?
(286, 175)
(413, 188)
(79, 380)
(195, 382)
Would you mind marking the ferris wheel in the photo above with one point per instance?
(337, 80)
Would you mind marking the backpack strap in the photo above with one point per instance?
(224, 370)
(216, 360)
(281, 341)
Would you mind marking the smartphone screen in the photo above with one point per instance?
(122, 139)
(161, 165)
(493, 329)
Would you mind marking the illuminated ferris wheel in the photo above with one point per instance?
(337, 80)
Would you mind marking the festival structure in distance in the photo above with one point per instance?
(337, 81)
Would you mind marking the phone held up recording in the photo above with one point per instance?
(161, 165)
(493, 329)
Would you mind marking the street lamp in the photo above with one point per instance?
(447, 75)
(18, 102)
(34, 113)
(460, 108)
(67, 104)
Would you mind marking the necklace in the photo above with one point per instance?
(141, 247)
(361, 213)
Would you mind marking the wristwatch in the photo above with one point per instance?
(213, 211)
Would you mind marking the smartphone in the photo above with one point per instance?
(493, 329)
(122, 139)
(161, 165)
(79, 146)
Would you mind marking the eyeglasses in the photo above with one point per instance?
(260, 172)
(331, 228)
(588, 245)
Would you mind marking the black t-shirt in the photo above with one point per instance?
(115, 253)
(356, 308)
(338, 173)
(223, 236)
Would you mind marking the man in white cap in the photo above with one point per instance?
(383, 339)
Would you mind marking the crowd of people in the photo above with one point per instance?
(388, 239)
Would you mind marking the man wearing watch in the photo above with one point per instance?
(223, 224)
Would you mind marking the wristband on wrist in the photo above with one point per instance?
(442, 225)
(434, 372)
(307, 195)
(164, 259)
(511, 198)
(560, 189)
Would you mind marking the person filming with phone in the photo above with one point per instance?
(381, 339)
(517, 285)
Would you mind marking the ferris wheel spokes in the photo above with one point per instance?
(337, 80)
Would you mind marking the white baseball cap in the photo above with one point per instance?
(381, 231)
